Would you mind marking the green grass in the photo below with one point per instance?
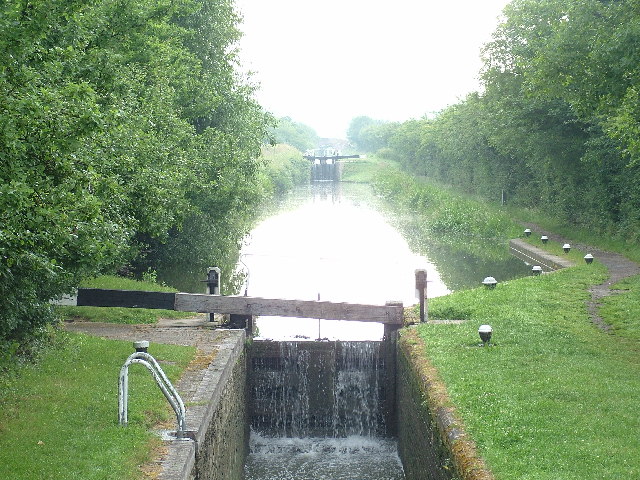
(59, 417)
(364, 170)
(120, 315)
(577, 234)
(554, 397)
(446, 214)
(622, 311)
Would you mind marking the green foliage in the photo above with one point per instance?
(284, 167)
(295, 134)
(369, 135)
(463, 235)
(556, 126)
(59, 416)
(120, 124)
(446, 214)
(554, 397)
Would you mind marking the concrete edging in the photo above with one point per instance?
(180, 461)
(536, 256)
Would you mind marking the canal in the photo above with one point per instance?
(338, 242)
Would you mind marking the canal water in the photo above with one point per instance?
(336, 242)
(331, 242)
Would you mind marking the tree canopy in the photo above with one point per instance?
(296, 134)
(121, 121)
(557, 123)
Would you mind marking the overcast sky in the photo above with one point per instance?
(324, 62)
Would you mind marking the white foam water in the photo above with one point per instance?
(351, 458)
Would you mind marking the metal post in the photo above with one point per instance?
(421, 291)
(213, 285)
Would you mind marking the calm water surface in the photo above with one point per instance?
(330, 242)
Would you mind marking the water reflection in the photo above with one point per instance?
(330, 242)
(463, 262)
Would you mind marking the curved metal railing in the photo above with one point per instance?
(170, 393)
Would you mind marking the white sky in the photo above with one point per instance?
(324, 62)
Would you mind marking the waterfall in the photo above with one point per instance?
(317, 389)
(356, 406)
(280, 392)
(317, 412)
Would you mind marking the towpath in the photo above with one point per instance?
(619, 268)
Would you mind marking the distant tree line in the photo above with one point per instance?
(296, 134)
(125, 132)
(556, 124)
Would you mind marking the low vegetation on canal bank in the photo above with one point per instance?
(553, 396)
(59, 416)
(446, 213)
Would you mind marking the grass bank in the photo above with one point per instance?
(446, 213)
(554, 397)
(577, 235)
(59, 417)
(58, 410)
(366, 169)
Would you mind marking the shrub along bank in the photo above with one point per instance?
(127, 135)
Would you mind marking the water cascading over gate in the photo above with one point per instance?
(318, 389)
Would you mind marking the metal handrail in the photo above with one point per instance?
(170, 393)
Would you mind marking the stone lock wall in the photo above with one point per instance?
(220, 413)
(222, 453)
(217, 417)
(420, 445)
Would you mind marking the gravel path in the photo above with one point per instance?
(619, 268)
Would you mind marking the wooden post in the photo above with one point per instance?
(421, 290)
(389, 349)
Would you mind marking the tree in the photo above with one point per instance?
(356, 129)
(120, 122)
(298, 135)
